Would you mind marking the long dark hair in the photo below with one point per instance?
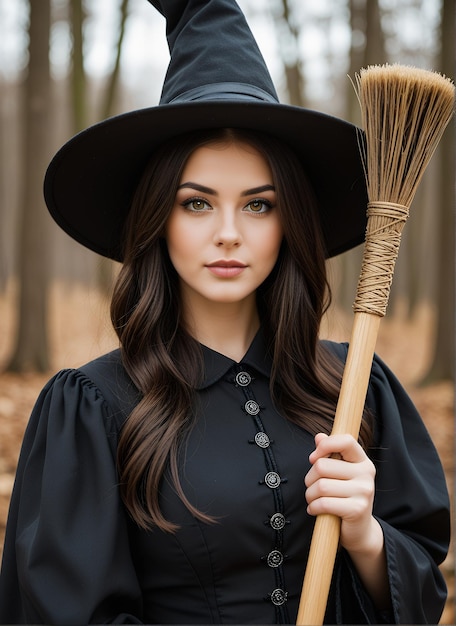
(163, 359)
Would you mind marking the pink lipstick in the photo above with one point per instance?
(226, 269)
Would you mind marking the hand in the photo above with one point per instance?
(344, 486)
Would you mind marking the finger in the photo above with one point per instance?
(345, 445)
(330, 488)
(338, 469)
(319, 437)
(362, 486)
(352, 508)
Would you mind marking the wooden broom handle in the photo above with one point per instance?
(347, 420)
(384, 227)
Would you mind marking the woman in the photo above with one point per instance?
(176, 480)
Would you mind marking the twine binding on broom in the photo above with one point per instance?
(386, 221)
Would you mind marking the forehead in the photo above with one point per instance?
(222, 160)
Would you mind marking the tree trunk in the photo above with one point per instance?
(365, 18)
(292, 64)
(78, 77)
(443, 361)
(31, 350)
(374, 53)
(3, 148)
(111, 89)
(105, 266)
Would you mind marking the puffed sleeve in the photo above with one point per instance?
(412, 506)
(66, 558)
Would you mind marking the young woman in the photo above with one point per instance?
(176, 480)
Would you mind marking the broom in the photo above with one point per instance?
(404, 113)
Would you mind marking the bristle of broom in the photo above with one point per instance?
(405, 111)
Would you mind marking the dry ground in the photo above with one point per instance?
(81, 331)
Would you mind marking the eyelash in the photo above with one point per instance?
(186, 204)
(263, 201)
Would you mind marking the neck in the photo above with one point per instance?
(225, 328)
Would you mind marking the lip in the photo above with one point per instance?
(226, 268)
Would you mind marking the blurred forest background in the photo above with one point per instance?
(68, 63)
(65, 64)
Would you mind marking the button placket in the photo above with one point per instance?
(272, 480)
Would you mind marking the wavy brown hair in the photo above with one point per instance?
(162, 358)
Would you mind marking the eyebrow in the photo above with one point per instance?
(212, 192)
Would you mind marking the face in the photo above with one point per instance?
(224, 234)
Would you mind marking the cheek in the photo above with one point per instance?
(177, 238)
(271, 241)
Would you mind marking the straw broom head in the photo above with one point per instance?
(405, 111)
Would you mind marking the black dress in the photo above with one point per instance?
(73, 556)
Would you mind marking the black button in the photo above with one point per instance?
(243, 379)
(262, 440)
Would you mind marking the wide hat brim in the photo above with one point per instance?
(89, 183)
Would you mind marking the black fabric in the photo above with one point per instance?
(210, 43)
(73, 556)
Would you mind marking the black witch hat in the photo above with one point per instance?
(216, 78)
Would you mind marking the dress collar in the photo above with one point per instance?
(216, 365)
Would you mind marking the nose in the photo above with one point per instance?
(227, 231)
